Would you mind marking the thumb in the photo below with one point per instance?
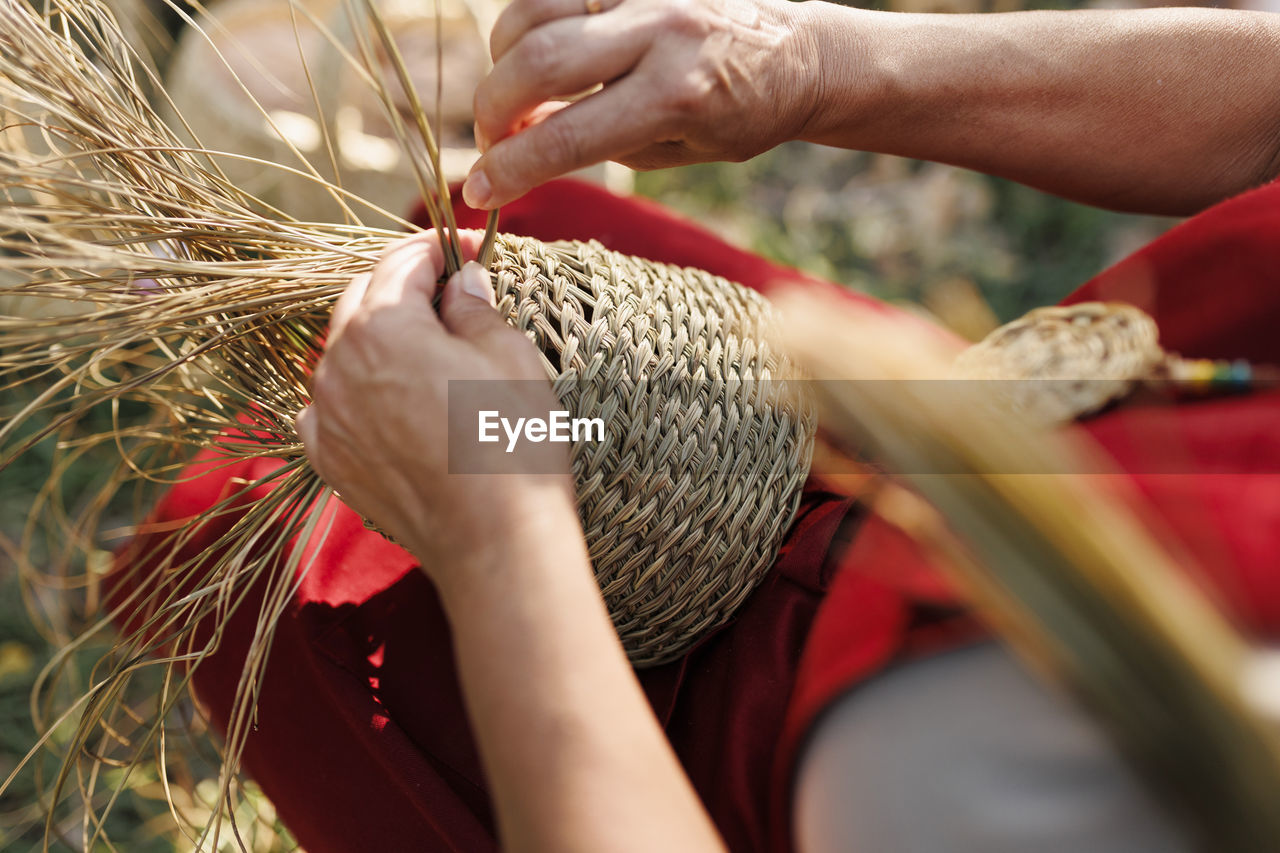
(468, 305)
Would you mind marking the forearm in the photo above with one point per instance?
(575, 758)
(1163, 110)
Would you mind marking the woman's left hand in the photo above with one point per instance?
(542, 670)
(377, 429)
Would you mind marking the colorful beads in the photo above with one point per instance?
(1202, 375)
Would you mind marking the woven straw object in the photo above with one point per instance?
(1066, 361)
(708, 442)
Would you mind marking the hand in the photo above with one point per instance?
(542, 671)
(376, 430)
(684, 81)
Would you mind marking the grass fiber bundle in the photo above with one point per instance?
(149, 295)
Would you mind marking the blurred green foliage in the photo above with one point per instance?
(897, 229)
(25, 648)
(36, 620)
(23, 652)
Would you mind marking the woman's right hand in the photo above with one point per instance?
(683, 81)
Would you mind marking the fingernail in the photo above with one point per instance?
(476, 191)
(482, 141)
(475, 281)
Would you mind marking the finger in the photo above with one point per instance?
(468, 305)
(521, 16)
(470, 241)
(409, 270)
(608, 125)
(559, 59)
(538, 114)
(347, 304)
(304, 423)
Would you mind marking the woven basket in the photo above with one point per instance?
(709, 436)
(1062, 362)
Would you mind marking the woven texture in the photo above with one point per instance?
(1066, 361)
(708, 439)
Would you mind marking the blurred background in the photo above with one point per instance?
(973, 251)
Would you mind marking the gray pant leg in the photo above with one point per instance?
(966, 753)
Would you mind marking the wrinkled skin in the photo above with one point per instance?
(683, 82)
